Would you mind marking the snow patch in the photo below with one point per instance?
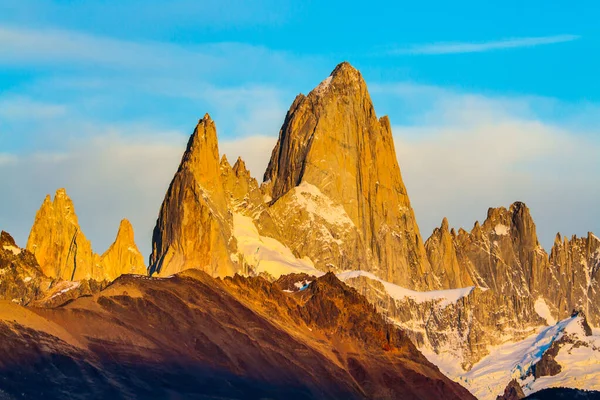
(316, 203)
(65, 287)
(488, 378)
(501, 230)
(15, 250)
(323, 86)
(443, 297)
(302, 284)
(266, 254)
(541, 308)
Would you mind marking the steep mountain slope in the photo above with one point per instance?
(196, 337)
(332, 149)
(21, 278)
(574, 277)
(566, 354)
(193, 229)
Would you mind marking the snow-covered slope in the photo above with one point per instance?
(265, 254)
(578, 357)
(441, 297)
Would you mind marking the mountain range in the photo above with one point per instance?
(314, 283)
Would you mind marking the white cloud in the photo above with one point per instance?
(109, 176)
(163, 61)
(20, 107)
(467, 153)
(6, 159)
(478, 47)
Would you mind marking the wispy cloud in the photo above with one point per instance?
(22, 107)
(465, 152)
(479, 47)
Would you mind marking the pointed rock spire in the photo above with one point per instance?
(193, 229)
(123, 256)
(7, 240)
(332, 139)
(57, 242)
(442, 255)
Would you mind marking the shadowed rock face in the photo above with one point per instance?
(196, 337)
(512, 392)
(193, 229)
(575, 266)
(333, 141)
(22, 279)
(564, 394)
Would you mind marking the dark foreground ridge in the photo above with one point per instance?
(193, 336)
(564, 394)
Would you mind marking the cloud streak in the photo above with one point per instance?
(480, 47)
(460, 154)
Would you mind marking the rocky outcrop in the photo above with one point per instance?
(574, 277)
(332, 141)
(512, 392)
(442, 252)
(21, 278)
(193, 229)
(463, 328)
(58, 243)
(246, 197)
(503, 254)
(123, 256)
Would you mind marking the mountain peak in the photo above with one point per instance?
(56, 240)
(445, 224)
(193, 229)
(123, 256)
(125, 231)
(225, 162)
(333, 140)
(344, 79)
(240, 167)
(201, 156)
(7, 240)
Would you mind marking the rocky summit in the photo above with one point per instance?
(194, 226)
(333, 148)
(315, 283)
(62, 250)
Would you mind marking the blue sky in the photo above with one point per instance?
(490, 104)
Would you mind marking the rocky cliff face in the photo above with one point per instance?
(333, 149)
(58, 243)
(503, 254)
(194, 224)
(461, 328)
(63, 251)
(573, 277)
(443, 254)
(21, 278)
